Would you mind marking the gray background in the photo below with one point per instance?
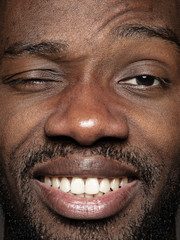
(1, 226)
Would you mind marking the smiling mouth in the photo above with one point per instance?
(86, 187)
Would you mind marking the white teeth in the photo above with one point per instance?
(92, 186)
(55, 182)
(86, 188)
(98, 194)
(77, 185)
(80, 195)
(104, 186)
(47, 181)
(65, 185)
(88, 195)
(124, 181)
(115, 184)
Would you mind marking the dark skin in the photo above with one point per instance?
(69, 74)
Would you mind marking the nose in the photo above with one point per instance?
(86, 116)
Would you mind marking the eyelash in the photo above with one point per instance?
(34, 84)
(159, 81)
(30, 81)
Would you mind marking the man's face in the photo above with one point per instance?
(90, 89)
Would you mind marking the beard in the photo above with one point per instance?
(26, 219)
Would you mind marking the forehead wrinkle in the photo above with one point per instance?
(120, 9)
(117, 15)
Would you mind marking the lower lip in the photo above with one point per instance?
(74, 207)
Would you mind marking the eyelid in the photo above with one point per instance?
(34, 74)
(149, 67)
(35, 81)
(28, 80)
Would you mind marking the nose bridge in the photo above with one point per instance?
(86, 115)
(87, 105)
(85, 118)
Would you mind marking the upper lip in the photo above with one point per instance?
(84, 167)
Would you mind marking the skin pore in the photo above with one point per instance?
(82, 80)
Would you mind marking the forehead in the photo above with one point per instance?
(80, 22)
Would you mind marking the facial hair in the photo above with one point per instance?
(152, 224)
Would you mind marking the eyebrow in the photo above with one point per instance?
(42, 48)
(123, 31)
(141, 31)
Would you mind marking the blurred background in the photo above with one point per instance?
(2, 223)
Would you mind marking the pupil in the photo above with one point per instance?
(145, 80)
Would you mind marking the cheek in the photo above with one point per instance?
(158, 131)
(165, 130)
(18, 122)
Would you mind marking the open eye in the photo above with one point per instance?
(143, 81)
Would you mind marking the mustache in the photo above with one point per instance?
(114, 150)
